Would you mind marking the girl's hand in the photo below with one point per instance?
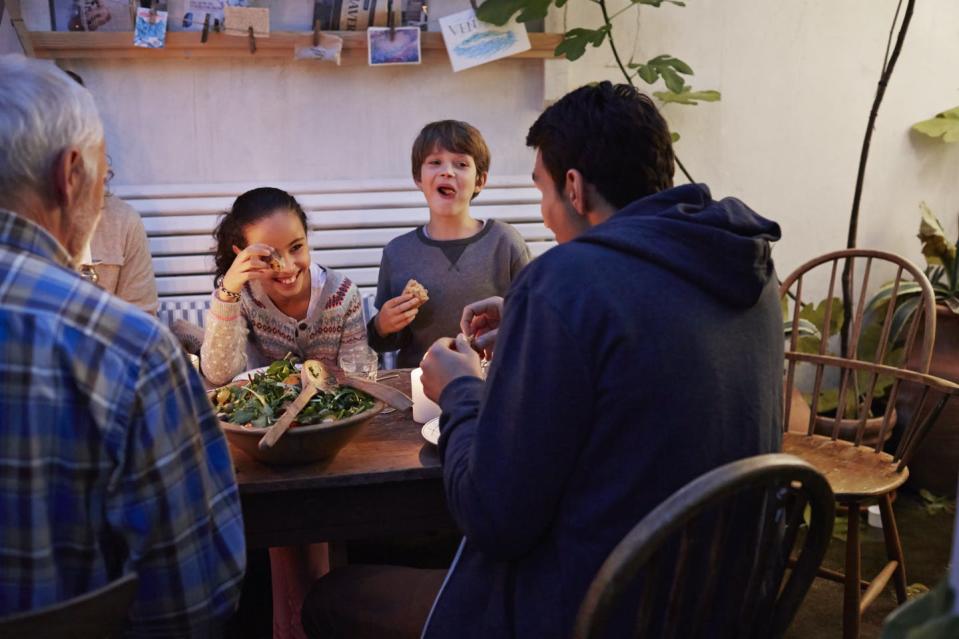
(396, 314)
(248, 265)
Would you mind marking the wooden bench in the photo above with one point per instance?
(349, 224)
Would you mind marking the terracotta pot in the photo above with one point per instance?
(799, 422)
(847, 428)
(935, 465)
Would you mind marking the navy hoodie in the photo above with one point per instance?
(629, 361)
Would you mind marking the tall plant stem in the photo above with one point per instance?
(871, 125)
(627, 75)
(887, 69)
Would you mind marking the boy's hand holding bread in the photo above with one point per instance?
(398, 312)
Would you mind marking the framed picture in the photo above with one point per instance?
(403, 47)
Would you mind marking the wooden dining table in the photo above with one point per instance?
(386, 481)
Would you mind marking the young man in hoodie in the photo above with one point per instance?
(643, 351)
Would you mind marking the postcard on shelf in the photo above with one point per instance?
(91, 15)
(471, 42)
(189, 15)
(150, 31)
(240, 19)
(328, 49)
(403, 47)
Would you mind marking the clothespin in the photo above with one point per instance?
(206, 29)
(216, 25)
(252, 39)
(316, 32)
(390, 19)
(153, 11)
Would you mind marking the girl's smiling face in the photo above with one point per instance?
(283, 231)
(449, 181)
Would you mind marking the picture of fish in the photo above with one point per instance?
(485, 44)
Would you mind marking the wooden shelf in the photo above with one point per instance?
(186, 45)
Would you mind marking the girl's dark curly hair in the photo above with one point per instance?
(250, 207)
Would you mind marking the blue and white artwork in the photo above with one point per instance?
(471, 42)
(150, 29)
(403, 47)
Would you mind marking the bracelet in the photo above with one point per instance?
(233, 297)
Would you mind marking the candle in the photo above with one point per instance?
(424, 409)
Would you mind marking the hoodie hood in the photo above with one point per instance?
(722, 247)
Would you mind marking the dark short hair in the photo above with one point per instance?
(613, 135)
(453, 136)
(250, 207)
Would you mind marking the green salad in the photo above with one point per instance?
(261, 402)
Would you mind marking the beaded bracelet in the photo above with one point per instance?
(233, 297)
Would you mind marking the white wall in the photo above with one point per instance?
(269, 120)
(798, 79)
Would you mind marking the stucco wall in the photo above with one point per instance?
(798, 79)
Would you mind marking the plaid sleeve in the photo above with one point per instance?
(174, 503)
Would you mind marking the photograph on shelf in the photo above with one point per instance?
(402, 47)
(150, 30)
(91, 15)
(355, 15)
(329, 48)
(471, 42)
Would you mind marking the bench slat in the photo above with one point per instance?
(360, 238)
(232, 189)
(365, 218)
(329, 202)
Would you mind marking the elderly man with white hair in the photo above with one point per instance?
(111, 459)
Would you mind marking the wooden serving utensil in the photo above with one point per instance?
(391, 396)
(313, 379)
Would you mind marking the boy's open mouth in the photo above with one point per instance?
(446, 191)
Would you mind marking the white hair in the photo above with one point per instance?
(42, 112)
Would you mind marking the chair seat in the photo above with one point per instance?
(853, 471)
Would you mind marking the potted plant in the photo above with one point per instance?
(936, 461)
(811, 328)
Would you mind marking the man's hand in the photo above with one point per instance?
(446, 360)
(480, 321)
(396, 314)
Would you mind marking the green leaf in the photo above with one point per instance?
(648, 74)
(575, 41)
(674, 137)
(936, 247)
(944, 125)
(674, 82)
(687, 96)
(499, 12)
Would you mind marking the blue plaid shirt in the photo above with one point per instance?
(111, 459)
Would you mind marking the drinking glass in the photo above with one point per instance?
(359, 361)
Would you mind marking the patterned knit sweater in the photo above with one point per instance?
(334, 320)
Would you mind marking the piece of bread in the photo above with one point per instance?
(418, 291)
(275, 260)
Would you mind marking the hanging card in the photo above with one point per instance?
(471, 42)
(402, 48)
(150, 29)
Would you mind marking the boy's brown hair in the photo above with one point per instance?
(453, 136)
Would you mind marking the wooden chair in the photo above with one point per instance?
(709, 561)
(860, 474)
(94, 615)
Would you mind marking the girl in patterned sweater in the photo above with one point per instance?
(270, 296)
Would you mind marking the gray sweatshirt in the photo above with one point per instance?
(455, 272)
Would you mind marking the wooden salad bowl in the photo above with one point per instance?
(300, 444)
